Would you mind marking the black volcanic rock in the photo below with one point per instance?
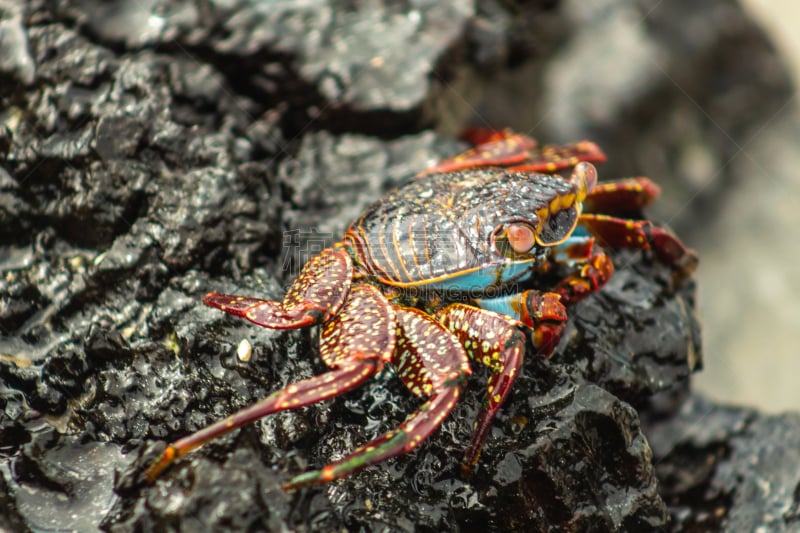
(151, 153)
(728, 468)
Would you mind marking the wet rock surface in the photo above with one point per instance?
(561, 443)
(728, 468)
(153, 155)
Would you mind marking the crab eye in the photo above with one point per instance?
(520, 237)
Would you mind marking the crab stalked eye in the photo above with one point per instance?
(584, 177)
(520, 237)
(514, 239)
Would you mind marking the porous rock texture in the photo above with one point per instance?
(155, 151)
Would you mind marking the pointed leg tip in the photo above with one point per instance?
(306, 479)
(671, 251)
(209, 299)
(468, 468)
(218, 300)
(684, 267)
(151, 474)
(162, 462)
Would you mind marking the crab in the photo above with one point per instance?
(435, 275)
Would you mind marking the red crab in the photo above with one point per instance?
(428, 278)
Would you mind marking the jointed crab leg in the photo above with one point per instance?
(405, 438)
(621, 197)
(431, 362)
(495, 339)
(356, 343)
(316, 295)
(552, 158)
(294, 396)
(520, 153)
(626, 233)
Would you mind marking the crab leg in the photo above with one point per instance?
(621, 197)
(431, 362)
(626, 233)
(552, 158)
(316, 295)
(297, 395)
(356, 344)
(627, 198)
(495, 340)
(520, 153)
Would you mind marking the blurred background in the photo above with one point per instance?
(702, 100)
(750, 284)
